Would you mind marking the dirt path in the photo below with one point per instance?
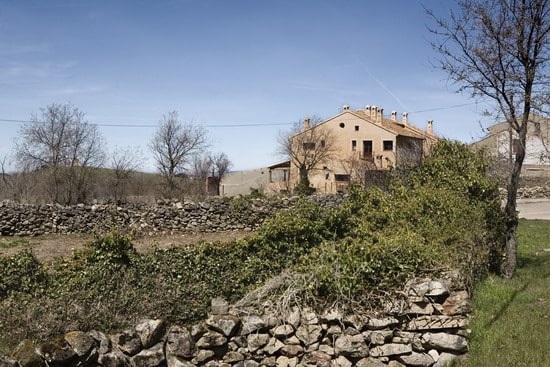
(49, 247)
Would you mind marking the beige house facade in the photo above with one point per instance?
(502, 143)
(361, 144)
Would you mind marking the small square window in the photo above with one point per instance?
(323, 143)
(388, 145)
(356, 127)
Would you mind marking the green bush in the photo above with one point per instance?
(443, 215)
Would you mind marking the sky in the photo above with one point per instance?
(244, 70)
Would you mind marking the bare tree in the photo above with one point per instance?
(174, 146)
(499, 50)
(124, 162)
(307, 148)
(61, 143)
(219, 166)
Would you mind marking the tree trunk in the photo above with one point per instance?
(509, 264)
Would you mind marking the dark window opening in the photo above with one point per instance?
(354, 145)
(515, 145)
(342, 125)
(537, 129)
(322, 144)
(356, 127)
(388, 145)
(341, 178)
(309, 146)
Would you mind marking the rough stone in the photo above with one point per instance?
(211, 339)
(437, 322)
(283, 331)
(377, 324)
(179, 342)
(351, 346)
(151, 357)
(309, 334)
(445, 342)
(81, 343)
(150, 332)
(257, 341)
(458, 303)
(128, 342)
(225, 324)
(370, 362)
(252, 323)
(390, 350)
(416, 359)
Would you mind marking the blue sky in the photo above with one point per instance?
(225, 65)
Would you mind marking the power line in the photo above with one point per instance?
(445, 108)
(152, 126)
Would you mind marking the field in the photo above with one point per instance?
(511, 319)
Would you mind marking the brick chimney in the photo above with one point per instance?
(430, 128)
(373, 112)
(346, 107)
(367, 110)
(306, 123)
(394, 115)
(405, 118)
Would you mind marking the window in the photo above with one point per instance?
(537, 129)
(342, 125)
(322, 143)
(341, 178)
(356, 127)
(515, 146)
(309, 146)
(354, 145)
(387, 145)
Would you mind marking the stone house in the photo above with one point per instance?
(502, 143)
(362, 144)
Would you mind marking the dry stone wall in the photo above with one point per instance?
(427, 326)
(167, 216)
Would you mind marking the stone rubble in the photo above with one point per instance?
(232, 337)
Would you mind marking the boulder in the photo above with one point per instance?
(150, 332)
(179, 342)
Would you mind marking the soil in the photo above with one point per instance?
(49, 247)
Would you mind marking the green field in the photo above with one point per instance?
(511, 319)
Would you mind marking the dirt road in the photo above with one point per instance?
(534, 208)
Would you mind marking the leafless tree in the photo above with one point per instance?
(219, 166)
(124, 162)
(62, 144)
(307, 148)
(174, 145)
(499, 50)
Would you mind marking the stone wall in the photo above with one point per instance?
(425, 326)
(167, 216)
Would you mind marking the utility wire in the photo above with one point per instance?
(149, 126)
(219, 125)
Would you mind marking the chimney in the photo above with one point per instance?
(367, 110)
(430, 128)
(394, 115)
(346, 107)
(405, 117)
(373, 112)
(306, 123)
(379, 114)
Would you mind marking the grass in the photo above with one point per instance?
(9, 242)
(511, 319)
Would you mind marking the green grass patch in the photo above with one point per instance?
(10, 242)
(511, 319)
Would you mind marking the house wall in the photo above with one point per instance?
(500, 143)
(350, 161)
(244, 182)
